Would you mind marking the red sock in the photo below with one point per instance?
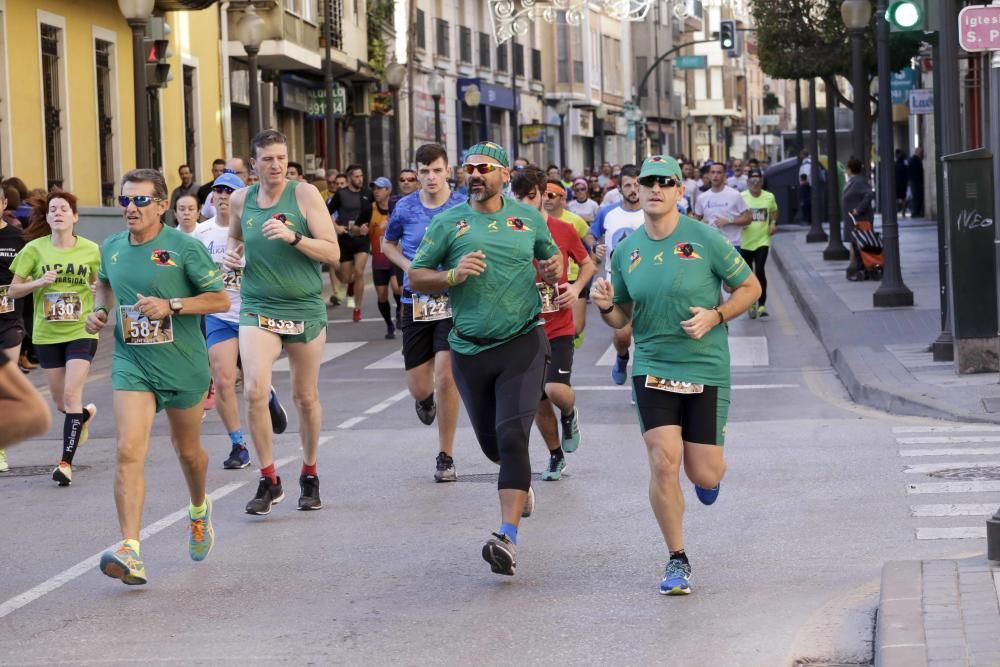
(309, 469)
(269, 473)
(350, 288)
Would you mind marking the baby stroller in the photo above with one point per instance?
(866, 244)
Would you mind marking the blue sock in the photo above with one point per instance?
(236, 437)
(510, 530)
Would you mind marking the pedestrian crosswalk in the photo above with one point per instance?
(958, 475)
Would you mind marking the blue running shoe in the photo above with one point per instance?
(707, 496)
(571, 431)
(555, 469)
(239, 458)
(619, 371)
(279, 418)
(676, 579)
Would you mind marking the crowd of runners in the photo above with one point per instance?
(491, 267)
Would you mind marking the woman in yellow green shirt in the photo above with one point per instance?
(60, 267)
(755, 239)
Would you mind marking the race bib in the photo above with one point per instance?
(673, 386)
(137, 329)
(232, 280)
(62, 307)
(431, 307)
(280, 327)
(548, 293)
(6, 302)
(758, 214)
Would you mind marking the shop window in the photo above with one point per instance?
(52, 103)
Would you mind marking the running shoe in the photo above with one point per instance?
(279, 418)
(309, 497)
(677, 578)
(209, 403)
(578, 340)
(707, 496)
(91, 409)
(390, 332)
(752, 312)
(357, 315)
(761, 311)
(267, 494)
(334, 300)
(445, 469)
(63, 473)
(571, 431)
(26, 364)
(529, 504)
(619, 371)
(555, 469)
(124, 564)
(350, 302)
(4, 467)
(201, 534)
(239, 458)
(426, 415)
(501, 554)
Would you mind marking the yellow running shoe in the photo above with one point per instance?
(201, 534)
(3, 461)
(123, 563)
(85, 429)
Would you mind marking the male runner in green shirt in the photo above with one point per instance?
(158, 281)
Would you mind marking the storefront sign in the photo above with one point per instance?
(901, 83)
(979, 28)
(533, 134)
(489, 94)
(921, 101)
(690, 62)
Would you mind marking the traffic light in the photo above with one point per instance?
(156, 47)
(727, 36)
(907, 15)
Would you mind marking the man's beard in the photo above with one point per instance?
(483, 194)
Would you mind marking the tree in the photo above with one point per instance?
(771, 103)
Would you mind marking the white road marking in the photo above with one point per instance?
(392, 362)
(353, 421)
(957, 533)
(926, 468)
(89, 564)
(954, 451)
(330, 351)
(628, 387)
(953, 487)
(375, 409)
(608, 358)
(954, 509)
(947, 439)
(946, 429)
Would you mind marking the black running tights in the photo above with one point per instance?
(756, 259)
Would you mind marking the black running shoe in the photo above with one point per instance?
(445, 469)
(501, 554)
(267, 494)
(279, 418)
(309, 500)
(239, 458)
(426, 415)
(390, 332)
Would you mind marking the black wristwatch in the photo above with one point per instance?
(298, 237)
(607, 311)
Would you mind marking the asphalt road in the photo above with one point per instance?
(786, 563)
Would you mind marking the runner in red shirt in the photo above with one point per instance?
(528, 187)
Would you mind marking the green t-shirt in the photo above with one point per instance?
(762, 212)
(279, 281)
(61, 308)
(171, 265)
(663, 280)
(503, 300)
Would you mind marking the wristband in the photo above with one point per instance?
(295, 241)
(104, 308)
(450, 277)
(721, 318)
(606, 312)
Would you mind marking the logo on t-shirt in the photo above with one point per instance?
(633, 260)
(462, 227)
(517, 225)
(492, 226)
(281, 217)
(162, 258)
(658, 258)
(114, 258)
(685, 250)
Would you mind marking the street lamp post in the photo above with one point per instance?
(137, 13)
(857, 15)
(250, 31)
(562, 108)
(600, 115)
(436, 85)
(710, 122)
(331, 146)
(892, 292)
(394, 75)
(689, 121)
(816, 233)
(834, 250)
(727, 125)
(640, 133)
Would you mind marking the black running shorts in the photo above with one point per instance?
(422, 340)
(702, 417)
(55, 355)
(561, 368)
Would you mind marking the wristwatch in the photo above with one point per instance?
(295, 241)
(175, 306)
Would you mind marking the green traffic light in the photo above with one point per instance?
(905, 15)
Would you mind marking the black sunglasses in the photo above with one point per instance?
(662, 181)
(141, 201)
(407, 180)
(552, 195)
(223, 188)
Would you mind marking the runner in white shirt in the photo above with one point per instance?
(722, 206)
(691, 183)
(581, 203)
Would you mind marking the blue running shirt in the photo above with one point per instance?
(407, 224)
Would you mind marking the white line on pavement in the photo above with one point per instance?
(375, 409)
(954, 509)
(945, 429)
(393, 361)
(948, 439)
(611, 387)
(330, 351)
(925, 468)
(353, 421)
(959, 533)
(953, 487)
(954, 451)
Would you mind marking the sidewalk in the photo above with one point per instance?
(882, 355)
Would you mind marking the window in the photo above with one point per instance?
(612, 60)
(576, 48)
(105, 121)
(484, 50)
(518, 59)
(52, 104)
(303, 8)
(562, 51)
(502, 58)
(421, 30)
(640, 71)
(190, 116)
(536, 64)
(441, 33)
(336, 23)
(464, 44)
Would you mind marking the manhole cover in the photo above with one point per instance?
(31, 471)
(969, 474)
(487, 478)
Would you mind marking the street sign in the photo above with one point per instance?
(768, 119)
(901, 83)
(690, 62)
(979, 28)
(921, 101)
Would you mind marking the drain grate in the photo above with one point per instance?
(491, 477)
(34, 471)
(969, 474)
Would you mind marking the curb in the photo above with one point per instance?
(899, 630)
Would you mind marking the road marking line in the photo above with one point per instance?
(353, 421)
(375, 409)
(392, 362)
(926, 468)
(88, 564)
(787, 326)
(954, 509)
(945, 429)
(947, 439)
(953, 487)
(608, 358)
(959, 533)
(611, 387)
(330, 351)
(954, 451)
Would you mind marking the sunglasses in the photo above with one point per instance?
(662, 181)
(552, 195)
(407, 180)
(223, 188)
(481, 167)
(141, 201)
(580, 189)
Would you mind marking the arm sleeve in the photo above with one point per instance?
(618, 280)
(727, 263)
(741, 205)
(101, 273)
(597, 227)
(576, 250)
(200, 269)
(394, 230)
(25, 262)
(365, 216)
(545, 247)
(433, 248)
(699, 206)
